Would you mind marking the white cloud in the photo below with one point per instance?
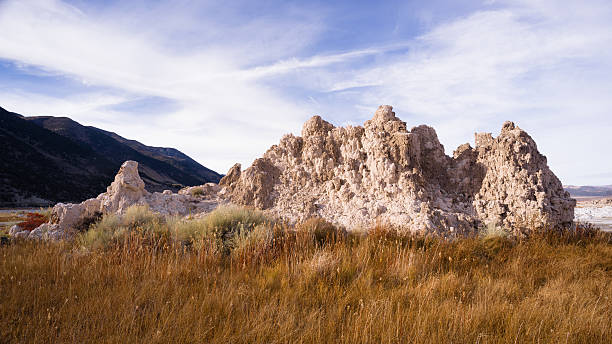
(242, 81)
(209, 85)
(88, 105)
(545, 66)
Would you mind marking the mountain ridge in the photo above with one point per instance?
(589, 190)
(56, 159)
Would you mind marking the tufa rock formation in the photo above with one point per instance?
(359, 176)
(384, 173)
(126, 190)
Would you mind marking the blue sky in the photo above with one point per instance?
(224, 80)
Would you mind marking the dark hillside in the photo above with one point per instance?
(55, 159)
(39, 167)
(171, 156)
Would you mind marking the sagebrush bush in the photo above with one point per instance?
(187, 231)
(221, 228)
(138, 220)
(492, 231)
(196, 192)
(101, 233)
(257, 243)
(140, 216)
(227, 222)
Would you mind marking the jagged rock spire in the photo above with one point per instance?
(382, 172)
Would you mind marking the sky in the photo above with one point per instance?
(223, 80)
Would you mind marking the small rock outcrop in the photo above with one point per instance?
(126, 190)
(384, 173)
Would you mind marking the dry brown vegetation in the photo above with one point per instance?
(33, 220)
(168, 281)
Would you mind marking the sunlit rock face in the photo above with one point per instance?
(356, 177)
(384, 173)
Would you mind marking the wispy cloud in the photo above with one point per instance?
(545, 66)
(207, 82)
(224, 81)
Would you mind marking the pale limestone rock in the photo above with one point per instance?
(49, 231)
(175, 204)
(207, 190)
(52, 233)
(66, 215)
(14, 229)
(126, 190)
(22, 234)
(518, 189)
(232, 175)
(384, 173)
(39, 231)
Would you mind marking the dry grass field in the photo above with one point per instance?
(236, 277)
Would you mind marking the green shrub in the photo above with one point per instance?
(222, 227)
(186, 231)
(140, 216)
(101, 233)
(226, 222)
(137, 220)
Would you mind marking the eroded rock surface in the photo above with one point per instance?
(383, 172)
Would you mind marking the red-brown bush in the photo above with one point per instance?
(32, 221)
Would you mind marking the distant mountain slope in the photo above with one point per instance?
(50, 159)
(38, 166)
(587, 191)
(159, 171)
(172, 156)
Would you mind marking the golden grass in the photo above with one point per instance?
(282, 285)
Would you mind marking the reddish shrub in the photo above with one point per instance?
(32, 221)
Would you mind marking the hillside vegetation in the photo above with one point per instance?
(236, 276)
